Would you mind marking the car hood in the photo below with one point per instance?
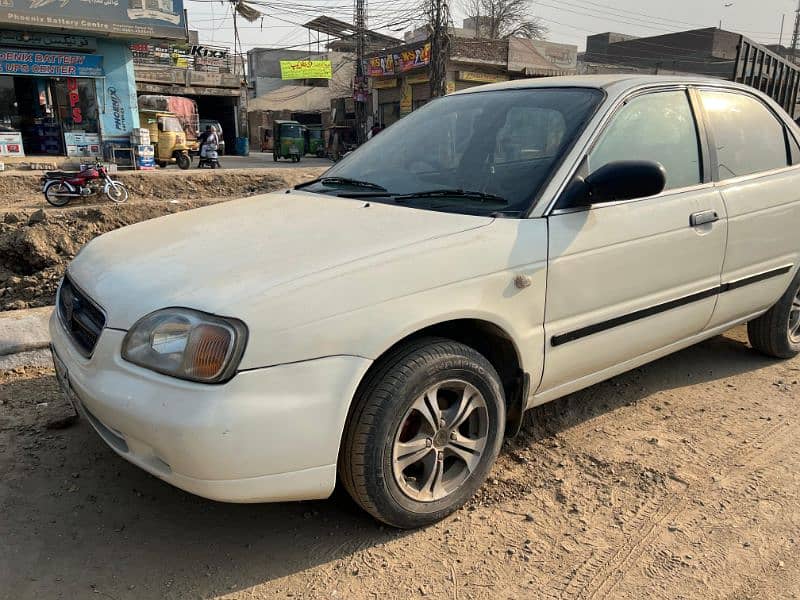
(222, 257)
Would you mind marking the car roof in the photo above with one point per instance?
(618, 81)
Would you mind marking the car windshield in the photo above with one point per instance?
(291, 131)
(492, 151)
(171, 124)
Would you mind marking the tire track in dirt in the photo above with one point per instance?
(598, 575)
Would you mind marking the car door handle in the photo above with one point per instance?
(703, 218)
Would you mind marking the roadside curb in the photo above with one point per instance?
(24, 330)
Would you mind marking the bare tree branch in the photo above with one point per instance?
(497, 19)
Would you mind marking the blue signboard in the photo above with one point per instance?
(49, 64)
(132, 19)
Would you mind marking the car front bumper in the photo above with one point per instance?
(266, 435)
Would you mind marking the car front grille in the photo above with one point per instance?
(81, 317)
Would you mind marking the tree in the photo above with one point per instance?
(496, 19)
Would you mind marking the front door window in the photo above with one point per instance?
(658, 127)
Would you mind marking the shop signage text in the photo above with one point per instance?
(117, 109)
(481, 77)
(74, 100)
(52, 64)
(306, 69)
(383, 84)
(420, 78)
(40, 39)
(140, 18)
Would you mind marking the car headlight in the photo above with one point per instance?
(187, 344)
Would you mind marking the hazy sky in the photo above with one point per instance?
(568, 21)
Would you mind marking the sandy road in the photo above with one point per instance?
(676, 480)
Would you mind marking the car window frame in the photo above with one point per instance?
(711, 141)
(701, 132)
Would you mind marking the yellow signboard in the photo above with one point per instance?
(382, 84)
(421, 78)
(405, 98)
(481, 77)
(306, 69)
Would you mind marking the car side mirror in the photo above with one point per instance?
(615, 181)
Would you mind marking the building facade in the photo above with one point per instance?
(67, 84)
(204, 73)
(399, 77)
(710, 51)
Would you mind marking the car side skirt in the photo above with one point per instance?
(597, 377)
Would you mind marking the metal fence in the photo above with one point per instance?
(768, 72)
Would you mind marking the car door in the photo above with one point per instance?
(628, 279)
(755, 156)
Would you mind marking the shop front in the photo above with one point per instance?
(74, 94)
(49, 99)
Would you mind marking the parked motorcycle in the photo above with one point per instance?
(209, 157)
(60, 187)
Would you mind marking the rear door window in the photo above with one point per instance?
(747, 135)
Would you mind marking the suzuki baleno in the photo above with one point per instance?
(387, 324)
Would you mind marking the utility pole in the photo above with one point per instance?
(359, 84)
(796, 33)
(440, 46)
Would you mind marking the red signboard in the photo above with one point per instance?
(411, 59)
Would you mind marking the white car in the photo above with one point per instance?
(390, 322)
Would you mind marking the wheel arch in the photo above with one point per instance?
(493, 342)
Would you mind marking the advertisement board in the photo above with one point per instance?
(124, 18)
(50, 64)
(413, 58)
(306, 69)
(379, 66)
(399, 62)
(11, 144)
(80, 143)
(406, 102)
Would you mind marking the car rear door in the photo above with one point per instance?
(627, 280)
(755, 158)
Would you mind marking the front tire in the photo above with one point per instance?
(116, 192)
(184, 162)
(423, 432)
(776, 333)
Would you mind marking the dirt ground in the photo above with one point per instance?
(22, 189)
(680, 479)
(36, 243)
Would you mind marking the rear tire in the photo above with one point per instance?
(776, 333)
(406, 463)
(52, 191)
(274, 157)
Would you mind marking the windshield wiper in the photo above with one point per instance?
(454, 193)
(342, 181)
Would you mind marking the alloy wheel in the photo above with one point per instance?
(440, 440)
(794, 319)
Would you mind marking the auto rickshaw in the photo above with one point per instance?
(168, 139)
(315, 140)
(288, 140)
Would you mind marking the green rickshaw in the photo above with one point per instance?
(288, 140)
(315, 140)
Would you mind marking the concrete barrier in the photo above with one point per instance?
(24, 330)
